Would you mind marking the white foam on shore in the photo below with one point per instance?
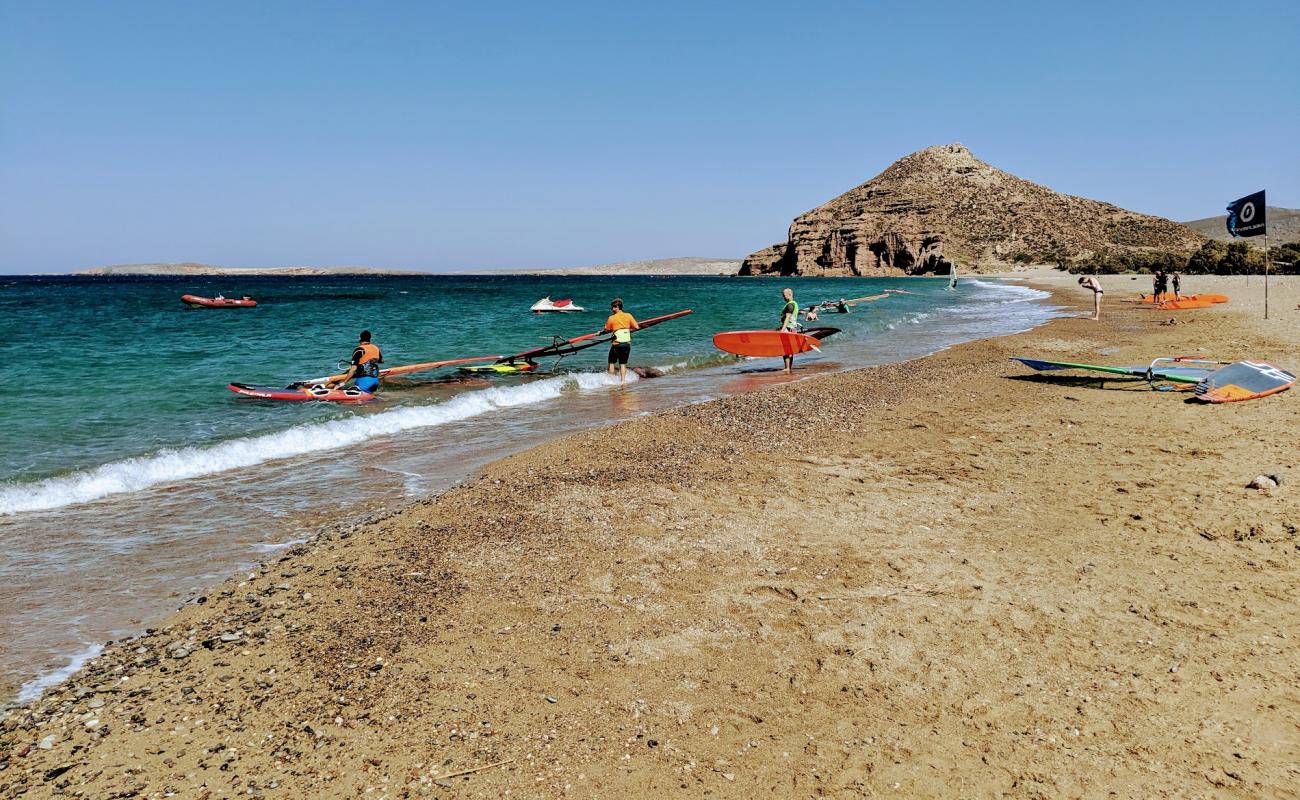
(171, 465)
(33, 689)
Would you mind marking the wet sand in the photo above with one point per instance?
(940, 578)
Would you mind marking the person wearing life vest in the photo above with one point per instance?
(364, 372)
(789, 322)
(621, 324)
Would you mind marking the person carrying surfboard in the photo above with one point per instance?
(621, 324)
(364, 371)
(789, 322)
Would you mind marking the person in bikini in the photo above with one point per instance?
(1090, 282)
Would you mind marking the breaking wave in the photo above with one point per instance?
(178, 464)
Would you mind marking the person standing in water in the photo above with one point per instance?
(364, 371)
(789, 322)
(621, 324)
(1090, 282)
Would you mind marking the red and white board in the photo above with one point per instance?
(302, 395)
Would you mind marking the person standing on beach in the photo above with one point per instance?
(1091, 282)
(789, 322)
(1177, 281)
(364, 371)
(621, 324)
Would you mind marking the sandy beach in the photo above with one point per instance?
(943, 578)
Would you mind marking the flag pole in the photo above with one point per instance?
(1268, 259)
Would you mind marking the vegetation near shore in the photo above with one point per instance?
(1214, 258)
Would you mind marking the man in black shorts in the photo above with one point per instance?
(621, 324)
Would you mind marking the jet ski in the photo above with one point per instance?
(546, 304)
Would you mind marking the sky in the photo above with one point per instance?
(448, 136)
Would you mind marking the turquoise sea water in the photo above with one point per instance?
(122, 443)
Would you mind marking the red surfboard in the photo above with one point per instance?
(764, 344)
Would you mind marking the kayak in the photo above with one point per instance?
(302, 394)
(547, 304)
(194, 301)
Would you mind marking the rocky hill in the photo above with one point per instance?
(943, 204)
(1283, 227)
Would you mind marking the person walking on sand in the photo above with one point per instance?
(789, 322)
(1090, 282)
(621, 324)
(1177, 281)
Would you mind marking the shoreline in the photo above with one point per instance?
(39, 653)
(525, 561)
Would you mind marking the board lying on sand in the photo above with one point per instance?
(768, 344)
(301, 394)
(1184, 304)
(1222, 383)
(1169, 369)
(1243, 380)
(1170, 297)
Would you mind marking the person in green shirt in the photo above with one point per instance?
(789, 322)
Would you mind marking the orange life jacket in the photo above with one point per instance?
(368, 363)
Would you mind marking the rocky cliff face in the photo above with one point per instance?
(942, 204)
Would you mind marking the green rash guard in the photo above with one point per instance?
(790, 315)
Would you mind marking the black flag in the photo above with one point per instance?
(1246, 217)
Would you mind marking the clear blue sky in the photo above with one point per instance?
(444, 136)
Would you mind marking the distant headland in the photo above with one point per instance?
(691, 265)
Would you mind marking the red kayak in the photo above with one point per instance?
(303, 394)
(194, 301)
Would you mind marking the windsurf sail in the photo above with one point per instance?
(1175, 369)
(1243, 380)
(393, 372)
(562, 347)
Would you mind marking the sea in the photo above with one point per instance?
(131, 478)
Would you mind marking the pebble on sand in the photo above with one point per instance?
(1264, 482)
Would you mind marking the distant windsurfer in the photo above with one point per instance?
(364, 370)
(789, 322)
(621, 324)
(1091, 283)
(952, 274)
